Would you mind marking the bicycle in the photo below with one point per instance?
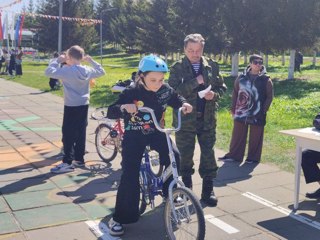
(108, 139)
(183, 214)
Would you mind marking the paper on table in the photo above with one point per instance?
(203, 92)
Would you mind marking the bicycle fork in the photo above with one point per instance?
(147, 185)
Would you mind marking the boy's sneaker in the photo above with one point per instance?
(62, 168)
(78, 163)
(226, 159)
(115, 228)
(251, 161)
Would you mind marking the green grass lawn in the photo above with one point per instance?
(295, 104)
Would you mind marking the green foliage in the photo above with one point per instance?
(154, 29)
(124, 25)
(73, 33)
(105, 11)
(29, 22)
(161, 25)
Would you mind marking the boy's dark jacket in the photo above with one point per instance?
(158, 101)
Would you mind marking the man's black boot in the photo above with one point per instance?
(207, 195)
(314, 195)
(187, 180)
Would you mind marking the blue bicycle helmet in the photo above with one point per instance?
(152, 63)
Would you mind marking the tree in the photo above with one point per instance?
(197, 16)
(29, 21)
(124, 26)
(73, 33)
(106, 11)
(258, 25)
(295, 24)
(154, 28)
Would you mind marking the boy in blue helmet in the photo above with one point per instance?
(149, 91)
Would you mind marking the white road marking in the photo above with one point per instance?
(221, 224)
(285, 211)
(100, 230)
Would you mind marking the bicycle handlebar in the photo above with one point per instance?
(156, 123)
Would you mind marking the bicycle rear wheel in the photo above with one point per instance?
(190, 222)
(105, 144)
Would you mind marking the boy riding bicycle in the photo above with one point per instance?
(149, 91)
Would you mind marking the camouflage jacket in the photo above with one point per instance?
(183, 81)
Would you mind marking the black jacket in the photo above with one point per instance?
(158, 101)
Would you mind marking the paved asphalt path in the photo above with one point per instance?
(255, 201)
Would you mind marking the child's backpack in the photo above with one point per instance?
(121, 85)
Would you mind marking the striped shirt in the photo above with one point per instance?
(196, 67)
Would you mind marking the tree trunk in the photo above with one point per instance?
(262, 55)
(245, 59)
(283, 58)
(235, 64)
(225, 58)
(266, 61)
(314, 60)
(291, 65)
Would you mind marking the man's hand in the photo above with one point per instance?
(62, 58)
(200, 79)
(87, 58)
(187, 108)
(210, 95)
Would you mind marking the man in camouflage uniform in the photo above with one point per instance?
(189, 76)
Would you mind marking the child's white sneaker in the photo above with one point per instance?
(115, 228)
(62, 168)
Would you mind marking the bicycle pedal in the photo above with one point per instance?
(178, 201)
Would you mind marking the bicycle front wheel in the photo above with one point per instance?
(189, 222)
(105, 144)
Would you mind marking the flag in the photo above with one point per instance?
(17, 29)
(1, 33)
(11, 30)
(20, 30)
(5, 27)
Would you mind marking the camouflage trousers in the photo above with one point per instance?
(186, 141)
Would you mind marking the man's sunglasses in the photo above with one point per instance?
(256, 62)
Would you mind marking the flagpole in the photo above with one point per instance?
(7, 29)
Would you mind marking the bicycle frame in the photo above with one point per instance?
(147, 176)
(171, 169)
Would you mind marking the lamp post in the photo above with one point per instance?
(60, 26)
(106, 10)
(101, 39)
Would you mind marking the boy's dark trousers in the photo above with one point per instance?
(133, 146)
(75, 121)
